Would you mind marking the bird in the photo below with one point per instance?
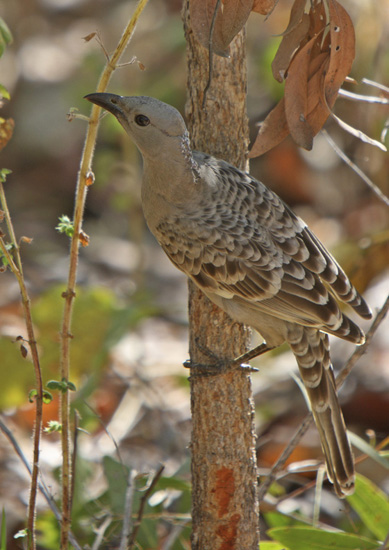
(250, 255)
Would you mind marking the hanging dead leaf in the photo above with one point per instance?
(342, 50)
(235, 15)
(264, 7)
(296, 14)
(288, 47)
(84, 238)
(315, 61)
(274, 128)
(272, 131)
(201, 13)
(27, 240)
(296, 97)
(228, 21)
(23, 351)
(317, 15)
(89, 37)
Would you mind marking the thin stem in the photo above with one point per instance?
(356, 168)
(142, 505)
(70, 293)
(210, 53)
(26, 304)
(42, 486)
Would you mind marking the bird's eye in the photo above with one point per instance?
(142, 120)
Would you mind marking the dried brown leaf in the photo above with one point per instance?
(89, 37)
(201, 13)
(235, 15)
(342, 50)
(272, 131)
(288, 47)
(27, 240)
(230, 19)
(296, 97)
(317, 14)
(296, 14)
(314, 74)
(264, 7)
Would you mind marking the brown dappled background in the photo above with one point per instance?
(130, 324)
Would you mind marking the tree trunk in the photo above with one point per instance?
(224, 479)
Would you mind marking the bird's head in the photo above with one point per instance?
(149, 122)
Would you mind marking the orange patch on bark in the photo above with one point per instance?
(224, 489)
(227, 532)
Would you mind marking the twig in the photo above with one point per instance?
(356, 168)
(210, 53)
(17, 270)
(76, 417)
(100, 533)
(358, 352)
(127, 519)
(70, 293)
(365, 98)
(145, 496)
(376, 85)
(42, 487)
(280, 463)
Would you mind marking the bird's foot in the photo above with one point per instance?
(221, 367)
(215, 369)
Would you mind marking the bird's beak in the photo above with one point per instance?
(109, 102)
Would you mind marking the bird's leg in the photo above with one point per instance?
(251, 354)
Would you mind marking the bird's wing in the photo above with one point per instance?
(242, 242)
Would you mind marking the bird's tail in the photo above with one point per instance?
(311, 349)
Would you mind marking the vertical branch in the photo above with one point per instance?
(224, 476)
(70, 293)
(17, 270)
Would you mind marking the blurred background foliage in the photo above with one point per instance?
(130, 333)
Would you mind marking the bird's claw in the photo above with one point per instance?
(215, 369)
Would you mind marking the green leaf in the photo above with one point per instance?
(116, 475)
(310, 538)
(47, 397)
(53, 426)
(71, 386)
(5, 33)
(31, 396)
(372, 506)
(269, 545)
(61, 386)
(276, 519)
(3, 532)
(65, 226)
(173, 483)
(4, 93)
(367, 449)
(5, 36)
(4, 173)
(55, 385)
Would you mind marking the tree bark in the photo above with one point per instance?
(224, 478)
